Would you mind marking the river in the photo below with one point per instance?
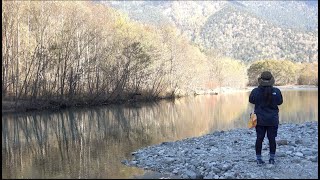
(91, 142)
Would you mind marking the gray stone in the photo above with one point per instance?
(269, 166)
(184, 176)
(298, 141)
(292, 144)
(225, 167)
(169, 160)
(252, 176)
(296, 160)
(228, 175)
(282, 142)
(280, 154)
(124, 161)
(291, 149)
(199, 176)
(201, 168)
(209, 176)
(314, 151)
(236, 174)
(313, 158)
(215, 170)
(194, 162)
(212, 144)
(165, 143)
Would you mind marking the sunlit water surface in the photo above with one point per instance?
(91, 142)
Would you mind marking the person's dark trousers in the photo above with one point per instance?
(271, 134)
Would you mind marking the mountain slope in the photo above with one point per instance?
(295, 14)
(246, 30)
(241, 35)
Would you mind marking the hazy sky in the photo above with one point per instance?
(312, 3)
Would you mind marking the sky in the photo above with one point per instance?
(312, 3)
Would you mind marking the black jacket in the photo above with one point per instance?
(267, 114)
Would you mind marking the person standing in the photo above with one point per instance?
(266, 99)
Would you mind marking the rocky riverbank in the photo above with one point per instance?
(231, 155)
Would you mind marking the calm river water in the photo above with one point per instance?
(91, 142)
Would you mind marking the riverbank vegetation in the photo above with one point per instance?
(58, 54)
(285, 72)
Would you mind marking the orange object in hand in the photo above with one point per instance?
(253, 120)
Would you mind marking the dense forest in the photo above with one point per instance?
(60, 53)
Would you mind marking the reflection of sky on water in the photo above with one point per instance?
(91, 142)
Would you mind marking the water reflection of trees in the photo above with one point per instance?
(90, 143)
(71, 143)
(303, 107)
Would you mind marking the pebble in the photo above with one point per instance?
(169, 160)
(215, 170)
(282, 142)
(231, 154)
(280, 154)
(269, 166)
(298, 141)
(314, 159)
(296, 160)
(226, 167)
(307, 152)
(289, 152)
(228, 176)
(191, 174)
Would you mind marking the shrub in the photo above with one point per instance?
(284, 71)
(308, 74)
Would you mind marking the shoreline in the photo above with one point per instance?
(202, 158)
(8, 106)
(287, 87)
(227, 90)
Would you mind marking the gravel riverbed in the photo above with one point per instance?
(231, 155)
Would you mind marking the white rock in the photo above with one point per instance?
(175, 171)
(289, 152)
(226, 167)
(307, 152)
(191, 174)
(299, 154)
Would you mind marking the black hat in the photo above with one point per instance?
(266, 79)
